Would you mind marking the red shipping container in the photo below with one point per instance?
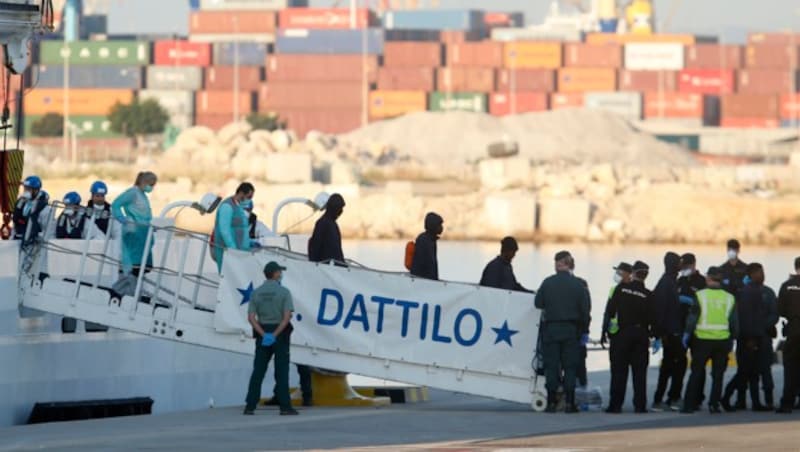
(275, 96)
(521, 80)
(407, 79)
(501, 104)
(646, 81)
(673, 105)
(482, 54)
(707, 81)
(503, 19)
(714, 56)
(412, 54)
(772, 56)
(232, 22)
(323, 68)
(325, 18)
(222, 78)
(750, 106)
(566, 100)
(750, 123)
(593, 56)
(182, 53)
(213, 121)
(474, 79)
(328, 121)
(222, 102)
(790, 106)
(766, 81)
(774, 38)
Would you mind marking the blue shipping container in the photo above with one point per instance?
(148, 18)
(459, 19)
(250, 53)
(790, 123)
(329, 41)
(121, 77)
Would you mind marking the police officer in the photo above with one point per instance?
(583, 374)
(711, 324)
(789, 308)
(632, 305)
(32, 212)
(565, 310)
(499, 273)
(269, 314)
(623, 273)
(670, 325)
(99, 209)
(734, 270)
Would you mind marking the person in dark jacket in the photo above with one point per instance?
(671, 321)
(425, 263)
(583, 374)
(499, 273)
(733, 269)
(325, 243)
(789, 309)
(691, 281)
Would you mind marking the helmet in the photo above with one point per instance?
(98, 188)
(72, 198)
(32, 182)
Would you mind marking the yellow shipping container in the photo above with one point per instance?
(612, 38)
(41, 101)
(532, 55)
(388, 104)
(579, 79)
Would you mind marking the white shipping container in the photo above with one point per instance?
(178, 104)
(251, 4)
(174, 77)
(627, 104)
(642, 56)
(537, 34)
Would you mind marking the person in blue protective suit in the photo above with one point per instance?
(232, 226)
(32, 212)
(99, 209)
(132, 210)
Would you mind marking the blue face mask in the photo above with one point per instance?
(246, 204)
(148, 189)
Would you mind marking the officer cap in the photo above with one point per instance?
(624, 267)
(640, 266)
(715, 273)
(273, 267)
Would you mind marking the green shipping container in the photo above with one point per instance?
(88, 126)
(131, 53)
(474, 102)
(690, 142)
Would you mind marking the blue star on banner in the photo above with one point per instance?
(504, 334)
(246, 294)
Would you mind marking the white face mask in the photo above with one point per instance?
(99, 205)
(27, 195)
(69, 212)
(686, 272)
(617, 278)
(732, 254)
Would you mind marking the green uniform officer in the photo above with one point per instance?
(564, 302)
(269, 313)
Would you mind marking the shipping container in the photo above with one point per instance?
(623, 103)
(473, 102)
(782, 38)
(566, 100)
(593, 56)
(330, 41)
(532, 55)
(247, 53)
(274, 96)
(750, 123)
(766, 106)
(89, 102)
(443, 36)
(707, 81)
(147, 18)
(681, 106)
(482, 54)
(469, 79)
(658, 38)
(433, 19)
(87, 126)
(252, 4)
(772, 56)
(766, 81)
(242, 38)
(174, 78)
(503, 19)
(122, 77)
(181, 53)
(412, 54)
(580, 79)
(303, 121)
(536, 80)
(790, 123)
(233, 22)
(224, 78)
(790, 107)
(323, 68)
(223, 102)
(178, 104)
(654, 57)
(648, 80)
(714, 56)
(326, 18)
(502, 104)
(214, 121)
(95, 52)
(537, 34)
(388, 104)
(407, 79)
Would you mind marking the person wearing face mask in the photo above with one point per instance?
(622, 273)
(734, 270)
(499, 273)
(671, 321)
(132, 211)
(32, 211)
(73, 222)
(690, 281)
(789, 309)
(425, 263)
(231, 228)
(99, 209)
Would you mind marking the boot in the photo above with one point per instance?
(570, 402)
(725, 401)
(551, 402)
(769, 400)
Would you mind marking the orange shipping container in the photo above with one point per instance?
(774, 38)
(750, 106)
(595, 56)
(213, 121)
(223, 102)
(714, 56)
(407, 79)
(532, 55)
(538, 80)
(275, 96)
(566, 100)
(325, 18)
(646, 81)
(772, 56)
(92, 102)
(578, 79)
(223, 78)
(232, 22)
(412, 54)
(471, 79)
(485, 54)
(766, 81)
(750, 123)
(322, 68)
(501, 104)
(388, 104)
(790, 107)
(673, 105)
(303, 121)
(613, 38)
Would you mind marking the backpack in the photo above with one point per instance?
(409, 257)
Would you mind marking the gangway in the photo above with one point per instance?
(452, 336)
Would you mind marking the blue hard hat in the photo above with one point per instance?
(99, 188)
(32, 182)
(72, 198)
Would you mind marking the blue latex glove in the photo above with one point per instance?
(726, 282)
(746, 280)
(584, 339)
(685, 340)
(268, 340)
(255, 245)
(656, 346)
(685, 299)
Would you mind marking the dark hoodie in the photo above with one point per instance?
(326, 241)
(671, 318)
(425, 263)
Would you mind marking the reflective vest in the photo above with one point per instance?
(716, 306)
(613, 323)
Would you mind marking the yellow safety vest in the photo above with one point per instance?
(716, 306)
(613, 323)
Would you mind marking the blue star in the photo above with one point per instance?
(246, 294)
(504, 334)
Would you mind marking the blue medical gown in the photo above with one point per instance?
(132, 210)
(232, 230)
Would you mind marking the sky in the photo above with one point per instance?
(730, 18)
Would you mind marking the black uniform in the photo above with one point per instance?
(425, 263)
(23, 219)
(500, 274)
(102, 217)
(734, 276)
(789, 308)
(752, 312)
(671, 320)
(632, 304)
(583, 374)
(71, 226)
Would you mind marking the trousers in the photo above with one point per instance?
(280, 350)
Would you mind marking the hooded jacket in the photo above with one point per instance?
(671, 318)
(425, 263)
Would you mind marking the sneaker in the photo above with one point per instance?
(641, 411)
(784, 410)
(659, 407)
(611, 410)
(247, 412)
(714, 409)
(290, 412)
(676, 405)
